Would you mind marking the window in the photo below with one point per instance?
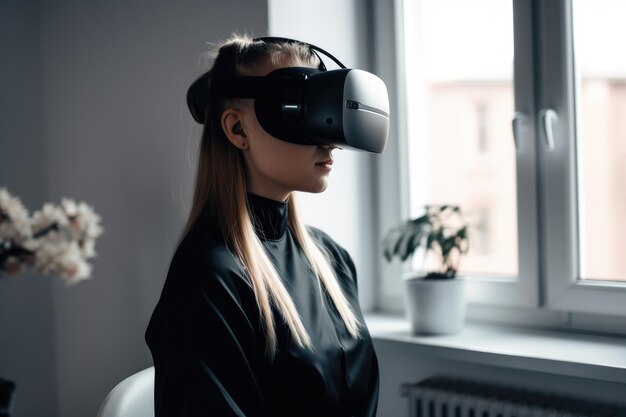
(579, 190)
(601, 137)
(458, 82)
(513, 111)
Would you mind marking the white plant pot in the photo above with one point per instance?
(435, 306)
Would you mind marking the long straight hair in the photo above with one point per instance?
(220, 190)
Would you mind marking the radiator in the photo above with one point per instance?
(448, 397)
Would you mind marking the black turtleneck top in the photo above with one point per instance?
(207, 341)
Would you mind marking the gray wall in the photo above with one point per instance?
(102, 85)
(27, 348)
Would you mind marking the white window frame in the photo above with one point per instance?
(545, 179)
(558, 175)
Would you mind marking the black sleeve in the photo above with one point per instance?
(206, 357)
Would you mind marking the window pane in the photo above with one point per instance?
(461, 104)
(599, 34)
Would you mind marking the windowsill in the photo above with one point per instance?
(555, 352)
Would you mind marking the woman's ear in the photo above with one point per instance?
(231, 124)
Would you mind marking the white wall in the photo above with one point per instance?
(346, 209)
(93, 107)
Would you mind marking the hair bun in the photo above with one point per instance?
(199, 98)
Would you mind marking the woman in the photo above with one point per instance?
(259, 314)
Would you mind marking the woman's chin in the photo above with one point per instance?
(315, 188)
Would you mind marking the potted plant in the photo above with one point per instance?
(435, 295)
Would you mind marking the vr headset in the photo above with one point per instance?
(308, 106)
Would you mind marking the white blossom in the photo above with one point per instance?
(17, 227)
(71, 266)
(60, 238)
(47, 249)
(87, 248)
(47, 216)
(55, 255)
(84, 224)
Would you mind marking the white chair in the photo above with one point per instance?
(133, 397)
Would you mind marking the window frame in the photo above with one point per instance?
(558, 173)
(546, 291)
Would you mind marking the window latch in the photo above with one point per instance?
(519, 124)
(548, 119)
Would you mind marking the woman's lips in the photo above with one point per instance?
(325, 164)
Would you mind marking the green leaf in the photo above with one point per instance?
(429, 242)
(420, 220)
(396, 246)
(461, 240)
(440, 237)
(391, 242)
(387, 241)
(403, 246)
(447, 245)
(417, 240)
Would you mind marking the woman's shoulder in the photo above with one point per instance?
(201, 260)
(204, 279)
(200, 246)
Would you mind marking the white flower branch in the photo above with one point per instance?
(56, 240)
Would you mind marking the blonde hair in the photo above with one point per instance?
(220, 190)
